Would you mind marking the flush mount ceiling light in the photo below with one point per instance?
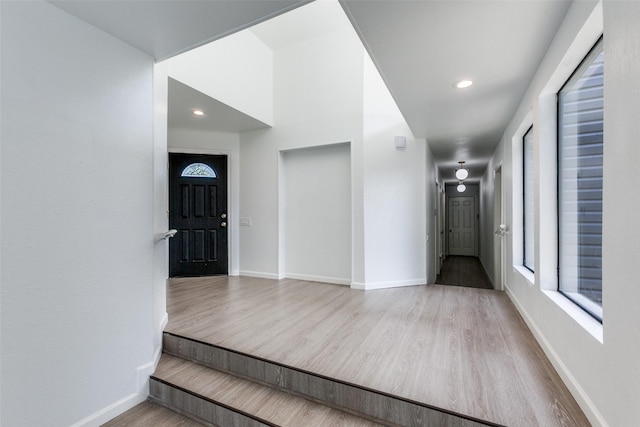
(461, 84)
(198, 113)
(462, 173)
(461, 187)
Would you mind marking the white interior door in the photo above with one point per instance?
(462, 213)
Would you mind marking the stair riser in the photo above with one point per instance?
(202, 409)
(344, 396)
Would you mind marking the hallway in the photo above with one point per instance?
(463, 271)
(86, 140)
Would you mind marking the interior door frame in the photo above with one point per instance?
(476, 226)
(444, 211)
(232, 203)
(436, 230)
(499, 255)
(440, 225)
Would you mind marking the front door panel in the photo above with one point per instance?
(198, 210)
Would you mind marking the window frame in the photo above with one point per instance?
(524, 203)
(591, 308)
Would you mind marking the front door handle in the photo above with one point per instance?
(223, 224)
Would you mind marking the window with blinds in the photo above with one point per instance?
(580, 154)
(528, 178)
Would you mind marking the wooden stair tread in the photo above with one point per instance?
(260, 401)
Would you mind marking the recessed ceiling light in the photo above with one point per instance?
(198, 112)
(461, 84)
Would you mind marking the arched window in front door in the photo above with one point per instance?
(198, 170)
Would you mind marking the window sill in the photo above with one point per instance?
(526, 273)
(588, 323)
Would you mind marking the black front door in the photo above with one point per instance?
(198, 210)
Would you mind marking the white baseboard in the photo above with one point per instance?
(142, 386)
(142, 376)
(335, 280)
(164, 321)
(585, 403)
(386, 285)
(322, 279)
(486, 271)
(113, 410)
(261, 275)
(157, 352)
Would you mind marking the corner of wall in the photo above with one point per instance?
(157, 352)
(262, 275)
(143, 372)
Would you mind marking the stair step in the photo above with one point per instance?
(148, 414)
(373, 404)
(224, 399)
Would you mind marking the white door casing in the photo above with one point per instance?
(498, 224)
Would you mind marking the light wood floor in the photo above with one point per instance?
(461, 349)
(148, 414)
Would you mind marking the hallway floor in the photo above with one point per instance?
(463, 271)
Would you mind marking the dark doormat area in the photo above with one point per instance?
(464, 271)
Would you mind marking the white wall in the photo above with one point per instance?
(621, 293)
(1, 228)
(317, 213)
(598, 363)
(160, 207)
(432, 176)
(77, 203)
(327, 91)
(240, 57)
(224, 143)
(395, 192)
(317, 101)
(486, 210)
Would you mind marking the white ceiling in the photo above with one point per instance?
(219, 117)
(165, 28)
(316, 18)
(420, 47)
